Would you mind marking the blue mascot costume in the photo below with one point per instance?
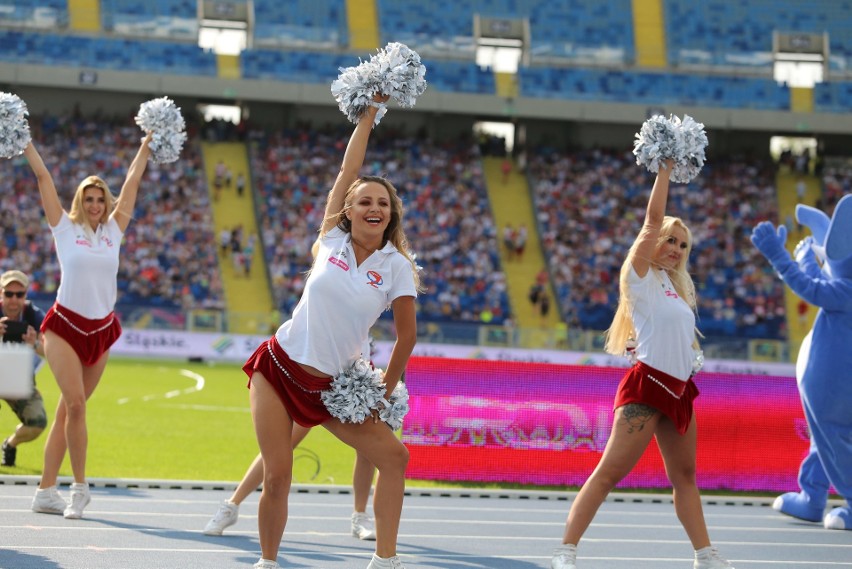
(821, 275)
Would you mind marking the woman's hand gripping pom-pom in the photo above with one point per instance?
(164, 120)
(395, 71)
(396, 408)
(355, 393)
(14, 128)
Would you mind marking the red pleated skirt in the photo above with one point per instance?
(669, 395)
(90, 339)
(298, 390)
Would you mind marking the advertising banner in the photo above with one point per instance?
(547, 424)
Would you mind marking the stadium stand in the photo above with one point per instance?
(448, 219)
(318, 24)
(582, 55)
(590, 208)
(172, 208)
(739, 34)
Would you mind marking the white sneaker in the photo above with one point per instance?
(48, 501)
(564, 557)
(390, 563)
(709, 558)
(80, 498)
(225, 517)
(266, 564)
(362, 526)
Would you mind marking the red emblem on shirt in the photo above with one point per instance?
(375, 279)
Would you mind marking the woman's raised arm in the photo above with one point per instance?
(127, 198)
(353, 159)
(643, 249)
(49, 198)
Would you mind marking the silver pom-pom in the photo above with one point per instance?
(354, 393)
(697, 362)
(163, 118)
(401, 75)
(655, 143)
(692, 140)
(662, 139)
(395, 71)
(14, 128)
(396, 408)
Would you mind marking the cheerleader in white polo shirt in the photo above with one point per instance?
(81, 326)
(654, 399)
(363, 266)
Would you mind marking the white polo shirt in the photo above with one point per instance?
(664, 322)
(341, 302)
(89, 265)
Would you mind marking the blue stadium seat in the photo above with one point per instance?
(572, 29)
(720, 32)
(653, 88)
(300, 23)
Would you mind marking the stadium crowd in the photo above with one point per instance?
(447, 215)
(590, 205)
(169, 255)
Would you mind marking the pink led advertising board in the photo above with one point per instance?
(545, 424)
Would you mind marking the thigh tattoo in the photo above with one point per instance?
(636, 415)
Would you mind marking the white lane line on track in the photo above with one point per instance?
(415, 557)
(79, 528)
(199, 385)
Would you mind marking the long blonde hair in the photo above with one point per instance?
(77, 214)
(393, 232)
(621, 329)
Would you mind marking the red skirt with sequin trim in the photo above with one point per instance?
(298, 390)
(90, 339)
(669, 395)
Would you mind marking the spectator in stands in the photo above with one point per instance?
(81, 326)
(656, 310)
(361, 229)
(17, 311)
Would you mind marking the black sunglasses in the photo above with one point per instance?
(12, 293)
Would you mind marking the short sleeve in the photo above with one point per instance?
(403, 281)
(64, 224)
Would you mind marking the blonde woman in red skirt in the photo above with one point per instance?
(656, 309)
(81, 326)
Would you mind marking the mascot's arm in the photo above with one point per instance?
(834, 295)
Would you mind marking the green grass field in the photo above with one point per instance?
(165, 420)
(149, 419)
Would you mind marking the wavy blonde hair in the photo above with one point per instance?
(393, 232)
(622, 328)
(76, 214)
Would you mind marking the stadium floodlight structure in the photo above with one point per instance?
(226, 25)
(501, 43)
(800, 59)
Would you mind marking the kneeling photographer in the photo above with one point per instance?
(20, 321)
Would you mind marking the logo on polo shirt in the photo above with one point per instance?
(339, 262)
(376, 279)
(82, 240)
